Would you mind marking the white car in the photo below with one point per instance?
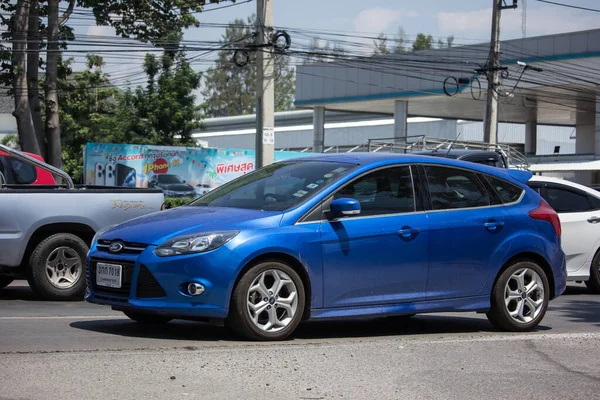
(578, 208)
(202, 189)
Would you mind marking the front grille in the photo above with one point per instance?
(129, 247)
(147, 285)
(125, 288)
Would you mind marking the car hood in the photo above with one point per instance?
(158, 227)
(176, 187)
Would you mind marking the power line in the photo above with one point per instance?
(569, 6)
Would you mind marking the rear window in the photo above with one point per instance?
(507, 192)
(20, 173)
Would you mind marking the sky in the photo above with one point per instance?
(465, 19)
(468, 21)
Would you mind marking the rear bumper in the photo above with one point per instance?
(559, 267)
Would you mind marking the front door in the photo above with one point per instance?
(381, 255)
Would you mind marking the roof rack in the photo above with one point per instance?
(513, 157)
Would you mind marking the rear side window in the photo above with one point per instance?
(452, 188)
(507, 192)
(566, 200)
(23, 173)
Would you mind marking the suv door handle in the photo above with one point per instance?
(493, 226)
(593, 220)
(407, 232)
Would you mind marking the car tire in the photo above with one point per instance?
(5, 281)
(517, 305)
(593, 284)
(268, 302)
(56, 268)
(147, 319)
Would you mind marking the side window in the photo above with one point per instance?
(595, 202)
(23, 173)
(566, 201)
(452, 188)
(507, 191)
(387, 191)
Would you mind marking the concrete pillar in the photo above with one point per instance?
(400, 117)
(530, 138)
(585, 132)
(318, 129)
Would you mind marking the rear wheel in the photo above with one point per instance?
(519, 298)
(268, 302)
(147, 319)
(593, 283)
(5, 281)
(56, 268)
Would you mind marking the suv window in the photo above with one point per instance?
(452, 188)
(387, 191)
(566, 201)
(22, 173)
(507, 191)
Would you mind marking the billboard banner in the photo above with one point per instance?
(179, 171)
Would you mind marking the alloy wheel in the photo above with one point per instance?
(63, 267)
(524, 295)
(272, 300)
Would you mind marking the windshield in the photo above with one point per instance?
(277, 187)
(169, 179)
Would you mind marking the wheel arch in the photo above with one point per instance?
(532, 257)
(83, 231)
(289, 260)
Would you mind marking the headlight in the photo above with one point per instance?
(100, 233)
(169, 193)
(194, 243)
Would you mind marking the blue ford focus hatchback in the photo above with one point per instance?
(336, 236)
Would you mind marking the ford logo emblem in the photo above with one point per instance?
(116, 247)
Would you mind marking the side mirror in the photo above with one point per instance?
(344, 207)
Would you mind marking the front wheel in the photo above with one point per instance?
(268, 302)
(56, 268)
(593, 283)
(519, 298)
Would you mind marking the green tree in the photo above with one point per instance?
(231, 90)
(423, 42)
(380, 44)
(11, 141)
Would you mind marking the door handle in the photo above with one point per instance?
(407, 232)
(493, 226)
(593, 220)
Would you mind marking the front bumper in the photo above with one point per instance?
(157, 285)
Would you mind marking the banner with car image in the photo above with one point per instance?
(178, 171)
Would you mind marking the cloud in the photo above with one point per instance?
(96, 30)
(378, 19)
(544, 21)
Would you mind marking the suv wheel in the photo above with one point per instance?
(268, 302)
(56, 269)
(519, 298)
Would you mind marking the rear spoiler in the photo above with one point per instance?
(520, 175)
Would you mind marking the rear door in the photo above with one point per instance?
(467, 227)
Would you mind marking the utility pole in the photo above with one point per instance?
(265, 91)
(490, 123)
(490, 130)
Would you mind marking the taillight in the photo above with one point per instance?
(546, 213)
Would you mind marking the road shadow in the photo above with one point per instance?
(19, 291)
(377, 327)
(587, 311)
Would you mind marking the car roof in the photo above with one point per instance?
(561, 181)
(376, 159)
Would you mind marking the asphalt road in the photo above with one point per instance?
(81, 351)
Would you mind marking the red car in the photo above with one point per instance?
(16, 172)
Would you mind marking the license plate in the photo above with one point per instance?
(109, 275)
